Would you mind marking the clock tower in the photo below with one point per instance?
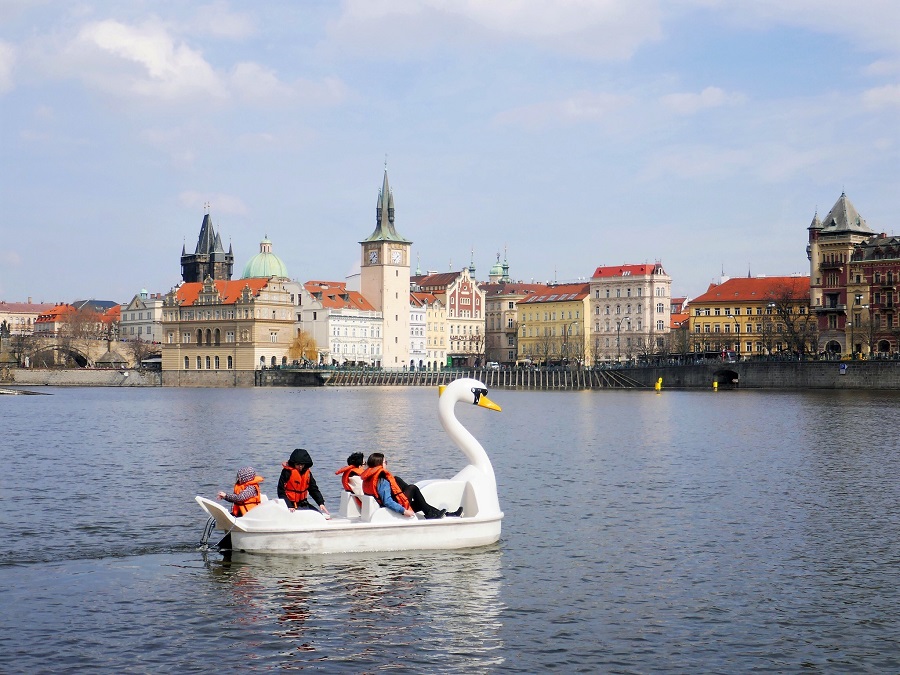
(384, 279)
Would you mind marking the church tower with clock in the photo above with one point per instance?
(384, 279)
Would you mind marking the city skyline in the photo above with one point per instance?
(565, 136)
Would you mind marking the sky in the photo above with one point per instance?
(560, 134)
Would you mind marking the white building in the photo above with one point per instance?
(631, 307)
(346, 327)
(141, 319)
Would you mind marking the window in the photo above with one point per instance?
(207, 363)
(187, 363)
(230, 363)
(273, 336)
(217, 363)
(199, 363)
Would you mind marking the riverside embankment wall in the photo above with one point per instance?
(746, 375)
(77, 377)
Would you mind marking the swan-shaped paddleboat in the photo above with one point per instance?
(362, 525)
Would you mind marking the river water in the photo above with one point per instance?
(681, 532)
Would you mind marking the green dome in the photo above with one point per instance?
(264, 264)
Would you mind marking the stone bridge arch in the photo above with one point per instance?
(50, 355)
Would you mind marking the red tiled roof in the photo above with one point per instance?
(756, 289)
(334, 295)
(442, 279)
(229, 291)
(112, 314)
(420, 298)
(621, 270)
(56, 313)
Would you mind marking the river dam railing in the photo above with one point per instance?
(496, 379)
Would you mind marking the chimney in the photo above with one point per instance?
(29, 299)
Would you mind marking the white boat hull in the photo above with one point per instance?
(272, 528)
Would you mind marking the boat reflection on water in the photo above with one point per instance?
(422, 609)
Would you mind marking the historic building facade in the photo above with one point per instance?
(244, 324)
(754, 316)
(463, 300)
(17, 318)
(873, 325)
(435, 357)
(853, 283)
(631, 309)
(384, 279)
(502, 318)
(553, 325)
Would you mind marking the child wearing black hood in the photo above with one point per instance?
(296, 483)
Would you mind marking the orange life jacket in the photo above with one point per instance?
(238, 510)
(296, 488)
(346, 472)
(370, 479)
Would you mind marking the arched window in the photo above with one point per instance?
(230, 363)
(208, 336)
(207, 363)
(199, 337)
(187, 363)
(274, 361)
(217, 360)
(218, 338)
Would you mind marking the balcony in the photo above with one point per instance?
(831, 309)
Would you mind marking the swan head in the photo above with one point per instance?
(468, 391)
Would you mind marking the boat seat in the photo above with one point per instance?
(351, 502)
(371, 512)
(450, 495)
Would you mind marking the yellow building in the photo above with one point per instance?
(553, 323)
(245, 324)
(753, 317)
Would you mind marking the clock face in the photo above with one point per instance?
(373, 257)
(396, 256)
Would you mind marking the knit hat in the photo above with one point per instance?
(245, 474)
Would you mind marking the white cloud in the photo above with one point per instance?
(7, 62)
(597, 29)
(582, 107)
(144, 61)
(218, 202)
(689, 103)
(882, 97)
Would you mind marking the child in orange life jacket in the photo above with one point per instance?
(354, 468)
(246, 493)
(296, 483)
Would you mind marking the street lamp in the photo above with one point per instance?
(618, 339)
(566, 332)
